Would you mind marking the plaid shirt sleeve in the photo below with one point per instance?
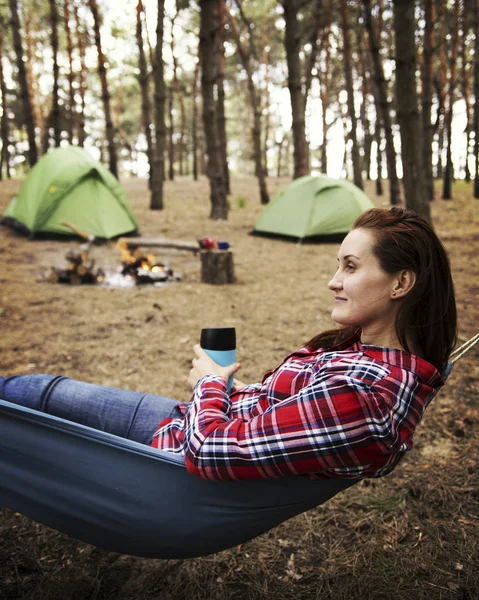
(340, 425)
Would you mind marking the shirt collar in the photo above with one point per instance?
(392, 356)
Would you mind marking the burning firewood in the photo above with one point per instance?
(144, 268)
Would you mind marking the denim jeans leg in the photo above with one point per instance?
(132, 415)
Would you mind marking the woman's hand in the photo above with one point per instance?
(203, 365)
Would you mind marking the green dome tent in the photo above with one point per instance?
(67, 184)
(313, 206)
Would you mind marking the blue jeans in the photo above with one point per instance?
(131, 415)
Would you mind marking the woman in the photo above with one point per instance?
(345, 405)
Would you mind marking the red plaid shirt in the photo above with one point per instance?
(349, 411)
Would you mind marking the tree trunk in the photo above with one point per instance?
(280, 156)
(145, 96)
(449, 170)
(465, 84)
(171, 98)
(38, 105)
(156, 201)
(407, 108)
(71, 122)
(180, 99)
(53, 119)
(440, 83)
(22, 80)
(81, 42)
(209, 30)
(171, 143)
(194, 120)
(292, 42)
(325, 79)
(110, 135)
(379, 159)
(267, 102)
(382, 103)
(4, 125)
(476, 95)
(348, 72)
(255, 105)
(427, 75)
(220, 86)
(366, 125)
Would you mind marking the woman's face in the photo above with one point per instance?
(364, 292)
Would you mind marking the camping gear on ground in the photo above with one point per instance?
(68, 187)
(79, 269)
(313, 207)
(129, 498)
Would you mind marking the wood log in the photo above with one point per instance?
(134, 242)
(86, 236)
(217, 266)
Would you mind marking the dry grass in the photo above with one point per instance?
(412, 535)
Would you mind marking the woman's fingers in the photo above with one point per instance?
(203, 365)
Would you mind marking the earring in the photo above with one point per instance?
(394, 293)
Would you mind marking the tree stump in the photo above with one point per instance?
(217, 266)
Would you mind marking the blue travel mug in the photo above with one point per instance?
(220, 345)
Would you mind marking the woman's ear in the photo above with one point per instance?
(404, 283)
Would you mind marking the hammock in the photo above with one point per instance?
(126, 497)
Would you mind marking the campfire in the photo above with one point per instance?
(143, 268)
(136, 268)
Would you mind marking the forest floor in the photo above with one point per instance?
(413, 534)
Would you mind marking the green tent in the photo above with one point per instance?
(313, 206)
(67, 184)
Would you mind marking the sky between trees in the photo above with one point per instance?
(335, 81)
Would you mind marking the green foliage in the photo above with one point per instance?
(241, 201)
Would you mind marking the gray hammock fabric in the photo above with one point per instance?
(126, 497)
(129, 498)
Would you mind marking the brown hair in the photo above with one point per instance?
(427, 316)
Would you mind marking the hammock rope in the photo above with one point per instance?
(462, 350)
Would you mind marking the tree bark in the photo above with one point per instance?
(110, 135)
(171, 144)
(31, 21)
(194, 119)
(156, 201)
(465, 86)
(449, 170)
(71, 120)
(366, 125)
(220, 84)
(246, 59)
(4, 125)
(382, 104)
(427, 75)
(348, 72)
(209, 26)
(407, 108)
(145, 96)
(440, 83)
(53, 119)
(267, 107)
(325, 79)
(82, 77)
(292, 42)
(179, 94)
(476, 95)
(22, 80)
(379, 180)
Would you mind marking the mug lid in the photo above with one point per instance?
(218, 338)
